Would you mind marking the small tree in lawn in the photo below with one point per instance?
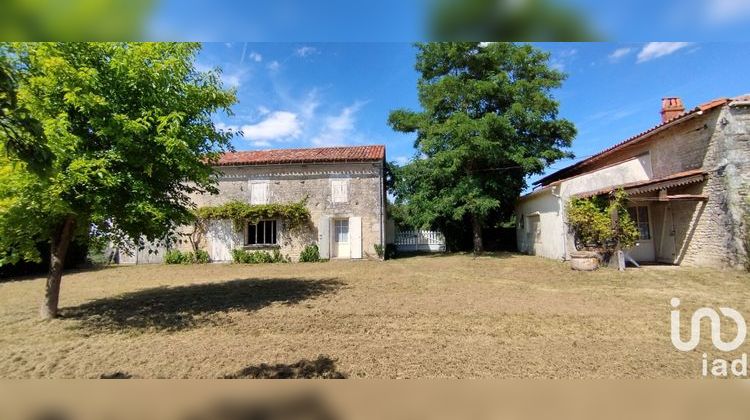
(126, 136)
(488, 121)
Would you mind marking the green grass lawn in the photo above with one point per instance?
(502, 316)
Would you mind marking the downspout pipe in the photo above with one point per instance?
(382, 203)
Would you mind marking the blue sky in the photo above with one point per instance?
(322, 94)
(408, 20)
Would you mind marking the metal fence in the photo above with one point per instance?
(420, 240)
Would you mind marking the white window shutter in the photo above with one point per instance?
(355, 236)
(339, 191)
(259, 193)
(324, 237)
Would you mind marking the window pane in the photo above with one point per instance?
(633, 214)
(266, 232)
(273, 232)
(644, 231)
(643, 214)
(251, 234)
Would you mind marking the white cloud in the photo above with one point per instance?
(263, 110)
(562, 58)
(261, 143)
(278, 125)
(305, 51)
(654, 50)
(203, 67)
(339, 129)
(569, 52)
(309, 104)
(234, 78)
(401, 160)
(274, 65)
(225, 127)
(255, 57)
(726, 11)
(619, 53)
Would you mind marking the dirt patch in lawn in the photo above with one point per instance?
(505, 316)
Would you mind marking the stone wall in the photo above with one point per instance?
(712, 233)
(292, 183)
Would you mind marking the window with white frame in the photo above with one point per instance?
(259, 193)
(261, 233)
(339, 190)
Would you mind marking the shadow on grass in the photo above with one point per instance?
(321, 368)
(184, 307)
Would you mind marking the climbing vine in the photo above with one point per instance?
(591, 220)
(294, 215)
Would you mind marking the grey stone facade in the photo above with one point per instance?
(364, 205)
(708, 225)
(708, 233)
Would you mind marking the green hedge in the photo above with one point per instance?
(174, 256)
(241, 256)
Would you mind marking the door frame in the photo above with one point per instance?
(669, 237)
(334, 252)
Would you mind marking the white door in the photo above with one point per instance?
(644, 248)
(534, 234)
(340, 248)
(667, 248)
(221, 238)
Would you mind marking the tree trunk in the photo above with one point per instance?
(476, 227)
(58, 249)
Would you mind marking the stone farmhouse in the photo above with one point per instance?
(688, 182)
(344, 190)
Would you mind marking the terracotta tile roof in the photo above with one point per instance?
(645, 135)
(639, 187)
(313, 155)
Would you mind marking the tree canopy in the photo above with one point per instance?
(488, 120)
(126, 137)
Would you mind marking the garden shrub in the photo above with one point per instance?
(590, 219)
(174, 256)
(387, 252)
(311, 253)
(241, 256)
(390, 251)
(201, 257)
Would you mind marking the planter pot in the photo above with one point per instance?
(584, 260)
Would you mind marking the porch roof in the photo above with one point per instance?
(640, 187)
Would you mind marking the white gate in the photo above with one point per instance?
(419, 240)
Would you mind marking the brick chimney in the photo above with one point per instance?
(670, 108)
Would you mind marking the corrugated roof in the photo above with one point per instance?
(311, 155)
(567, 171)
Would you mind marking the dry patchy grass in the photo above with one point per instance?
(441, 316)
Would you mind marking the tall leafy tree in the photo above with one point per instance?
(126, 136)
(488, 121)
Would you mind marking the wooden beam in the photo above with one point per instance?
(677, 197)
